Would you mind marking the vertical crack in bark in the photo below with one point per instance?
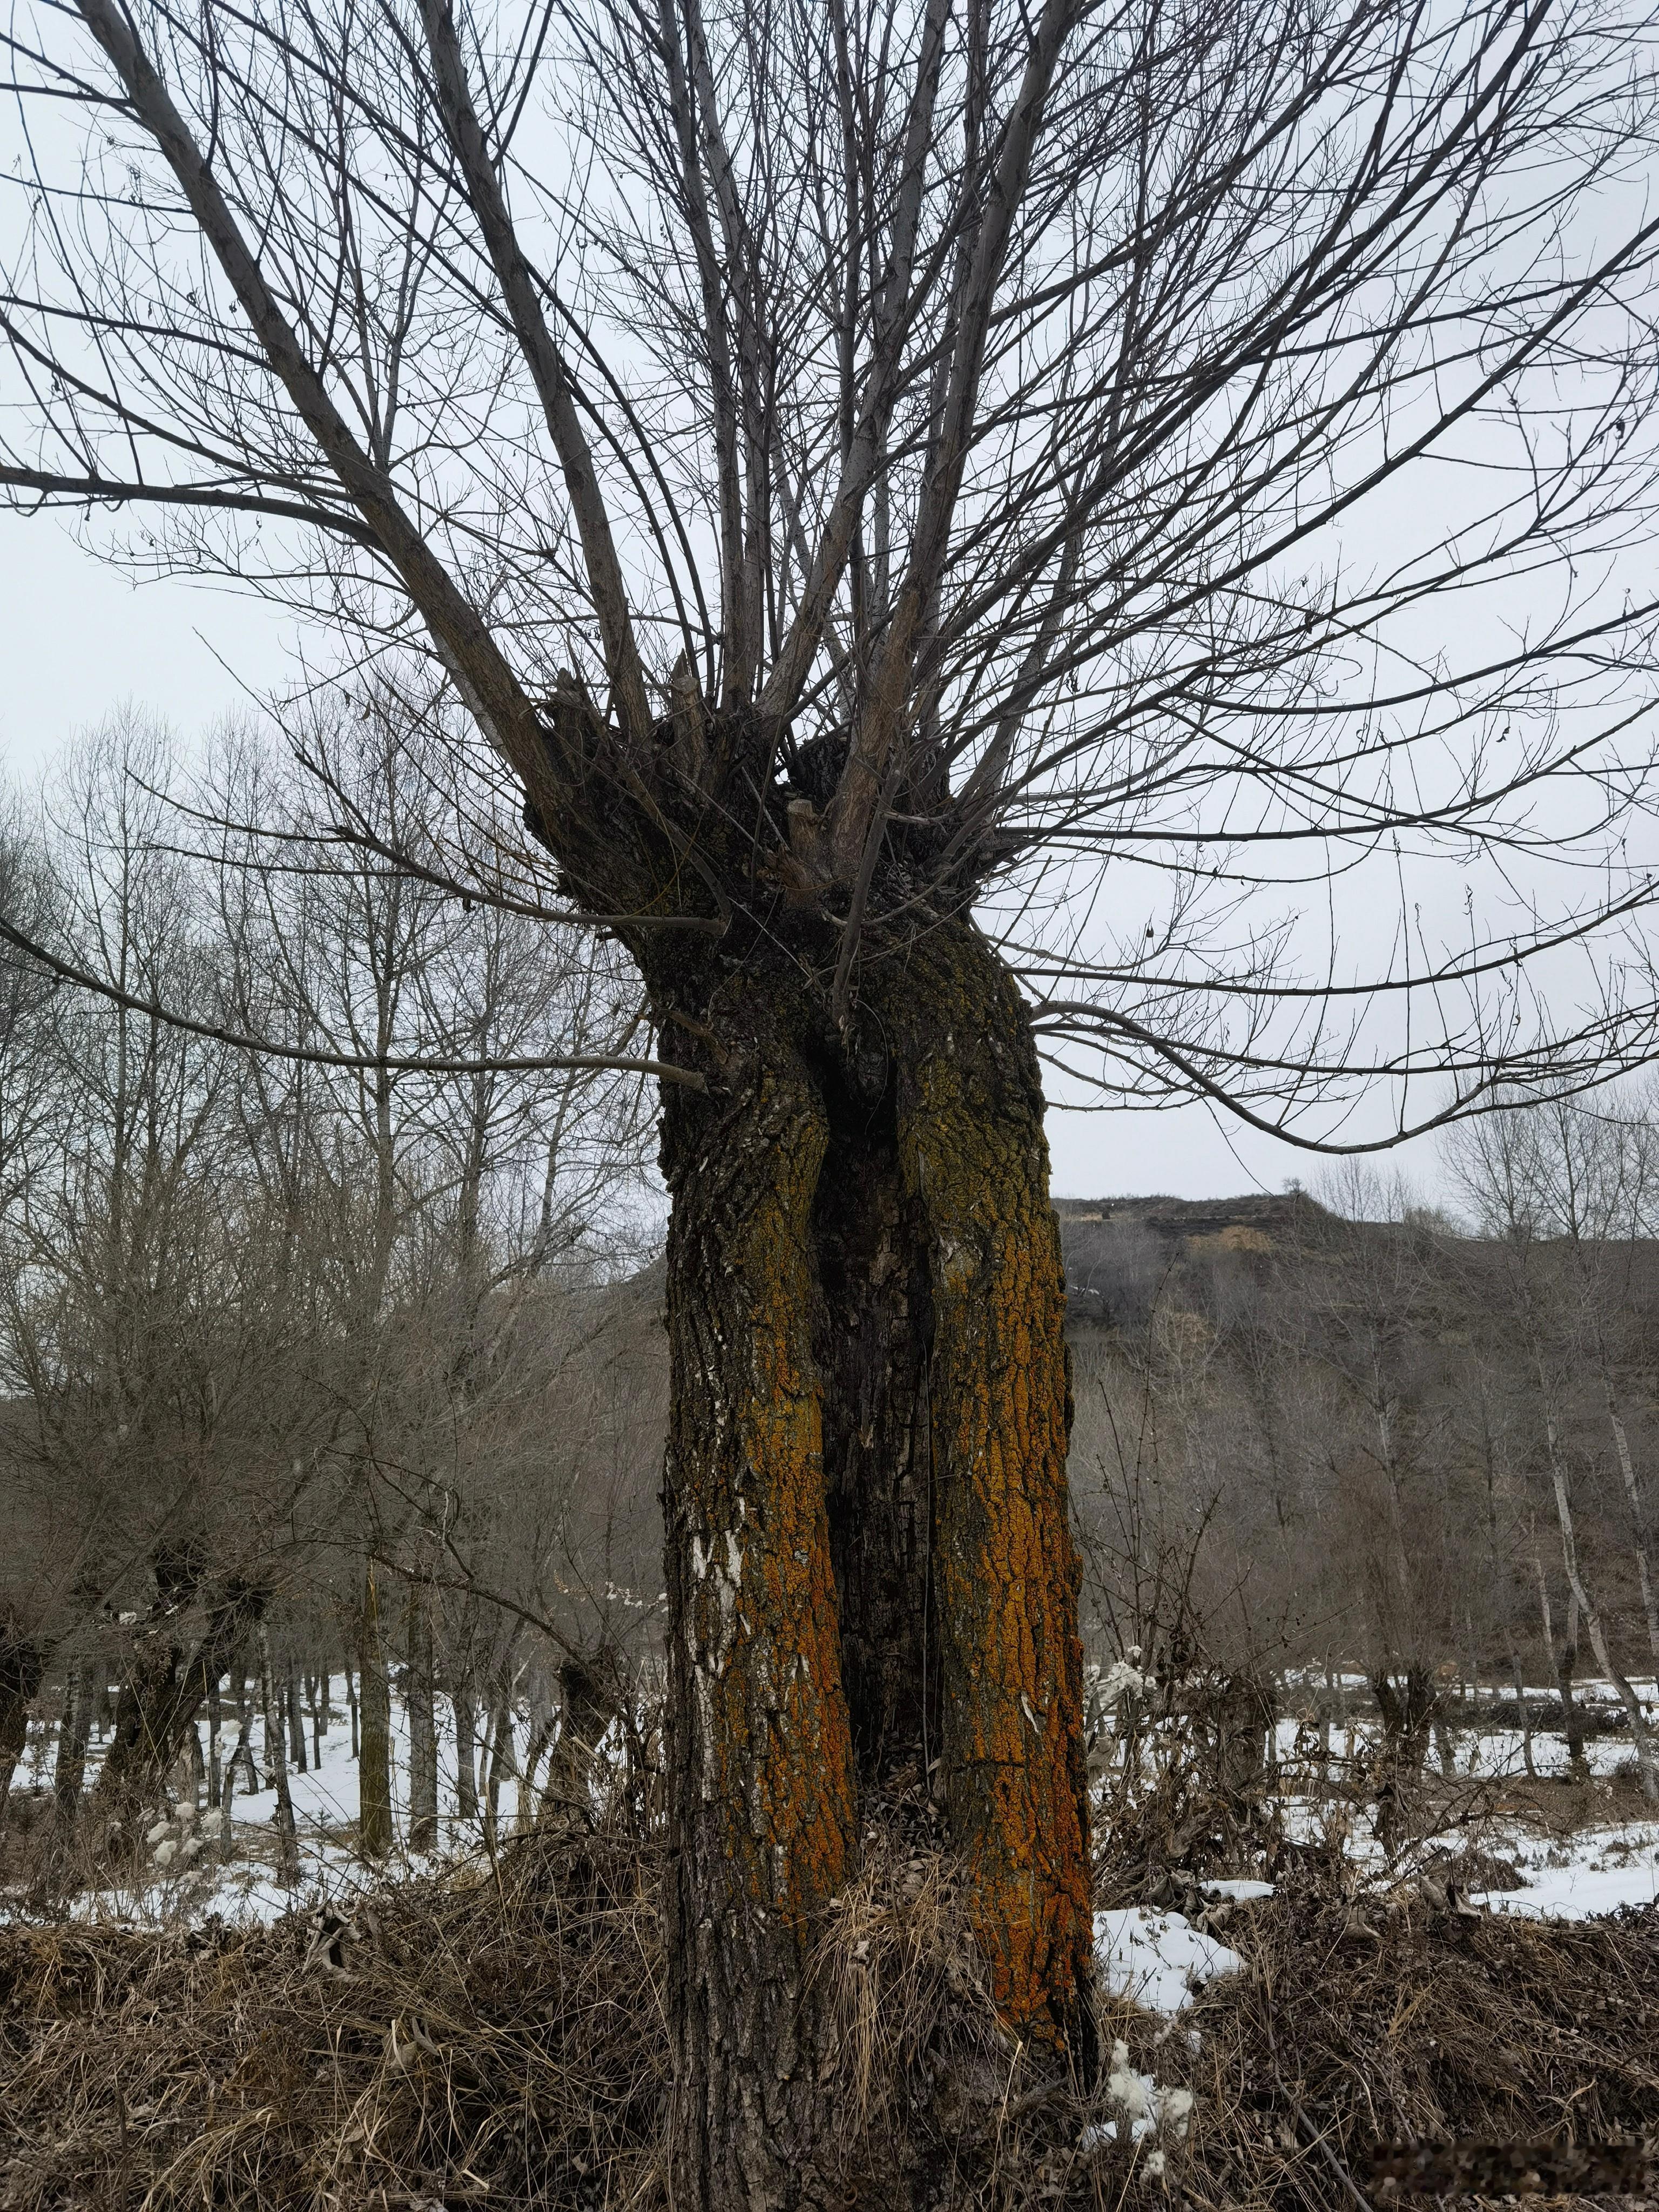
(870, 1559)
(874, 1330)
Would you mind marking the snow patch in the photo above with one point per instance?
(1158, 1960)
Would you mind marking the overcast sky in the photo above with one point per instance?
(77, 639)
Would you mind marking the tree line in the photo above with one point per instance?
(306, 1363)
(1368, 1435)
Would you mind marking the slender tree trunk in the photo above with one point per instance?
(296, 1721)
(1638, 1517)
(1563, 1665)
(464, 1707)
(74, 1730)
(374, 1757)
(871, 1574)
(276, 1710)
(216, 1760)
(22, 1669)
(541, 1736)
(197, 1764)
(351, 1704)
(1523, 1710)
(317, 1689)
(499, 1761)
(422, 1723)
(1632, 1705)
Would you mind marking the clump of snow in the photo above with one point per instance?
(1158, 1960)
(1242, 1892)
(1135, 2092)
(1146, 2107)
(1176, 2111)
(1120, 1680)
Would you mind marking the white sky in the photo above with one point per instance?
(78, 638)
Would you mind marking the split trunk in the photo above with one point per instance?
(871, 1579)
(872, 1585)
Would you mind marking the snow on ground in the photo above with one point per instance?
(234, 1874)
(1157, 1959)
(1599, 1870)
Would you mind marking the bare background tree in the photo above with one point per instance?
(267, 1337)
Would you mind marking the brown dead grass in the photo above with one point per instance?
(499, 2038)
(493, 2038)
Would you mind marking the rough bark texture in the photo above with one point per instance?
(588, 1703)
(1010, 1662)
(762, 1802)
(167, 1686)
(870, 1571)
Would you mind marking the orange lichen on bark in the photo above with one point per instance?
(771, 1738)
(1007, 1568)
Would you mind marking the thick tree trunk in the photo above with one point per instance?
(1408, 1706)
(374, 1756)
(1007, 1573)
(587, 1705)
(164, 1688)
(1244, 1714)
(761, 1788)
(871, 1575)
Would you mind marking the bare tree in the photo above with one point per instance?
(858, 468)
(1503, 1163)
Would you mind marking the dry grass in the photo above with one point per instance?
(500, 2039)
(1361, 2023)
